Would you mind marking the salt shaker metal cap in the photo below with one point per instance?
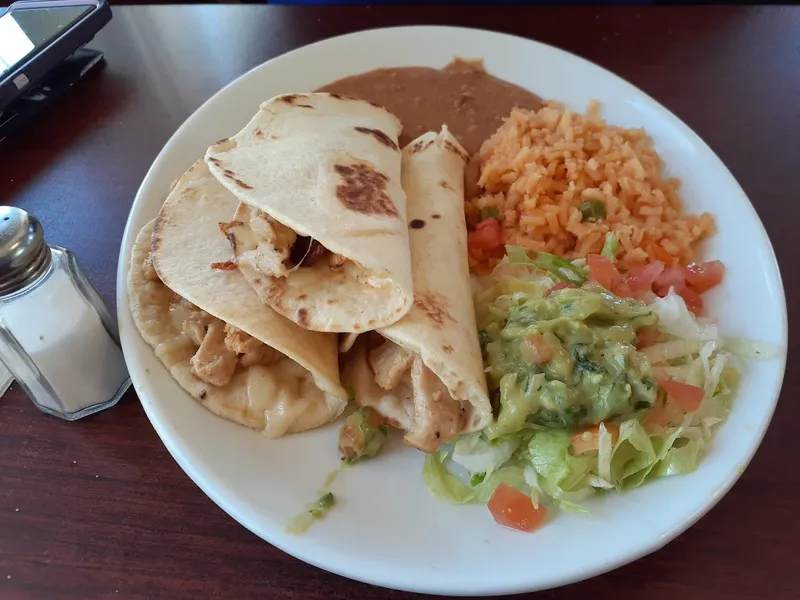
(57, 337)
(24, 255)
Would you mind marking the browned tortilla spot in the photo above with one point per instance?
(259, 133)
(378, 135)
(446, 186)
(228, 173)
(417, 224)
(155, 237)
(371, 322)
(242, 184)
(302, 296)
(228, 265)
(290, 98)
(447, 348)
(222, 141)
(302, 317)
(257, 280)
(363, 190)
(433, 307)
(452, 147)
(203, 394)
(303, 106)
(214, 161)
(330, 301)
(356, 327)
(344, 97)
(420, 146)
(436, 216)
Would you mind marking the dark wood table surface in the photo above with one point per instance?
(99, 509)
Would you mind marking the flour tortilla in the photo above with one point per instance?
(441, 326)
(327, 167)
(300, 391)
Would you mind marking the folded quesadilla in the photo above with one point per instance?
(424, 373)
(320, 233)
(238, 357)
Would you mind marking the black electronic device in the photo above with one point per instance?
(36, 36)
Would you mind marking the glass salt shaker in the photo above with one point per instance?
(57, 337)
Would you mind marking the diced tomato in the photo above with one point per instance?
(498, 252)
(641, 279)
(536, 350)
(674, 277)
(560, 286)
(603, 271)
(662, 415)
(692, 299)
(487, 235)
(587, 440)
(687, 397)
(647, 336)
(704, 276)
(511, 508)
(488, 223)
(623, 290)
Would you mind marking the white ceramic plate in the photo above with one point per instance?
(387, 529)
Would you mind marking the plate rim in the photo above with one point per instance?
(223, 501)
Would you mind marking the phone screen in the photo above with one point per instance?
(24, 32)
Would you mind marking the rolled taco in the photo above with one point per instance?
(320, 233)
(424, 373)
(236, 356)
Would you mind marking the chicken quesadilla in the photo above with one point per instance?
(424, 373)
(239, 358)
(320, 233)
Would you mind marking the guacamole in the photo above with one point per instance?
(565, 358)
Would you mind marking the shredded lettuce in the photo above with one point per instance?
(678, 461)
(610, 246)
(670, 350)
(478, 455)
(442, 483)
(512, 474)
(445, 485)
(560, 268)
(675, 319)
(604, 450)
(538, 459)
(750, 348)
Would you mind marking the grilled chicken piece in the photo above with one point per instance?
(275, 242)
(196, 324)
(213, 362)
(250, 350)
(437, 417)
(389, 362)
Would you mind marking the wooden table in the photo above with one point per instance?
(98, 508)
